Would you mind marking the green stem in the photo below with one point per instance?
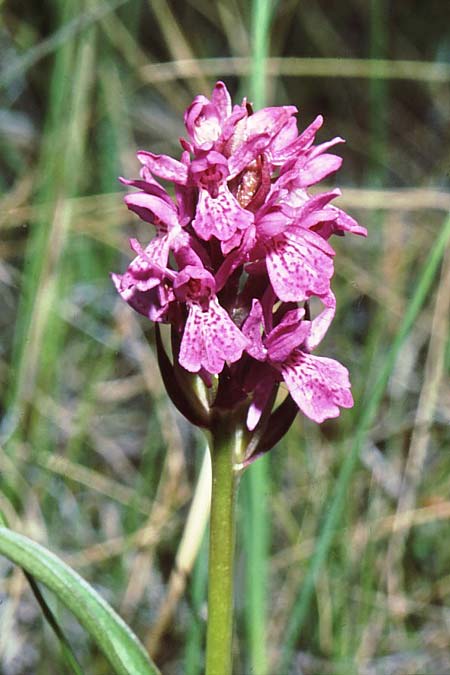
(261, 14)
(224, 449)
(257, 524)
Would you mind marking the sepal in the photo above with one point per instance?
(278, 424)
(180, 387)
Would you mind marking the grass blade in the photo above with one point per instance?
(256, 483)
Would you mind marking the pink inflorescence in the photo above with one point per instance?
(240, 250)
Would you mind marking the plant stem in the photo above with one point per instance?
(225, 442)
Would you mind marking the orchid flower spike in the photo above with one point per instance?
(236, 257)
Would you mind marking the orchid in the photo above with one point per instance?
(239, 262)
(238, 254)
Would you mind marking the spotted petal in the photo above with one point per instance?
(318, 385)
(220, 216)
(210, 338)
(299, 265)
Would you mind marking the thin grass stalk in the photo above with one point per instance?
(378, 93)
(67, 653)
(198, 589)
(376, 344)
(292, 66)
(366, 420)
(256, 523)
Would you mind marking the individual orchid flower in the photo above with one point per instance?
(210, 337)
(319, 386)
(143, 285)
(218, 213)
(207, 121)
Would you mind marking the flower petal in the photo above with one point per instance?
(149, 185)
(290, 333)
(245, 153)
(298, 266)
(346, 223)
(164, 166)
(269, 120)
(222, 100)
(321, 323)
(274, 221)
(261, 395)
(320, 149)
(278, 151)
(252, 328)
(316, 169)
(306, 138)
(202, 123)
(210, 338)
(220, 216)
(152, 304)
(280, 155)
(318, 385)
(148, 268)
(150, 208)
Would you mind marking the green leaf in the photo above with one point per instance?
(113, 637)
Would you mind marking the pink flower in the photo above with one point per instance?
(238, 253)
(205, 120)
(218, 213)
(142, 286)
(210, 337)
(319, 386)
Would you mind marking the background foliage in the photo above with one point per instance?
(96, 464)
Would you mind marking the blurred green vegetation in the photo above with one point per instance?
(94, 461)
